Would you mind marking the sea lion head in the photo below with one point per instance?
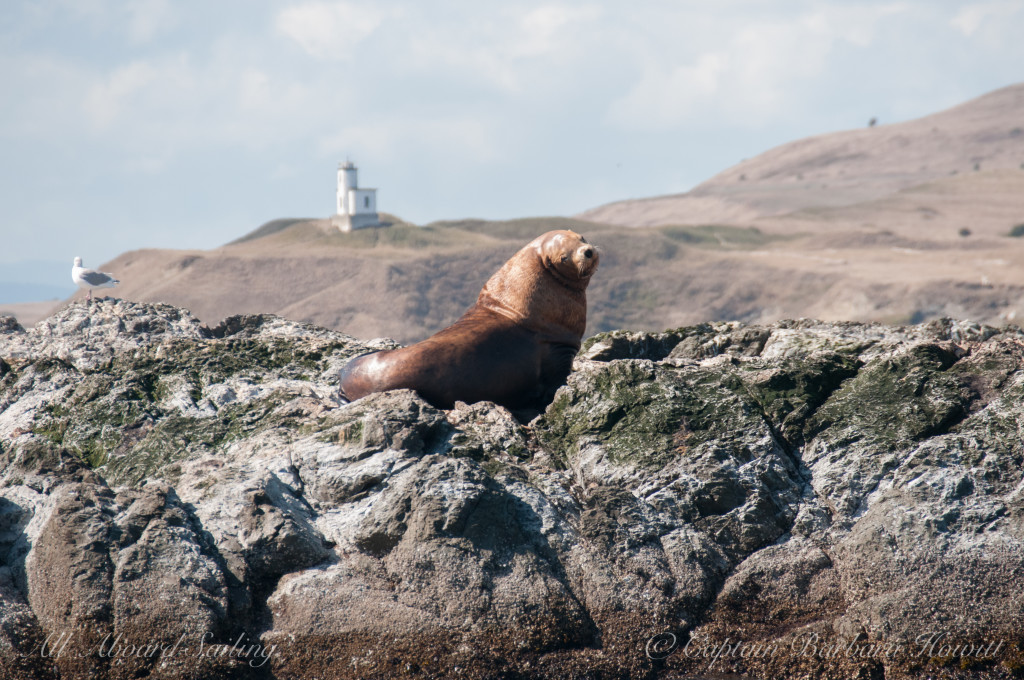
(544, 284)
(568, 256)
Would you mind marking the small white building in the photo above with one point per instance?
(357, 208)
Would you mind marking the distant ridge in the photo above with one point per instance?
(845, 168)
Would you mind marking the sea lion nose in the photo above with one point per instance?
(588, 253)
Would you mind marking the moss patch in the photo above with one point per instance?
(91, 421)
(110, 409)
(216, 360)
(894, 401)
(176, 436)
(790, 395)
(646, 415)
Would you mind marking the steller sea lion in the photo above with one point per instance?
(514, 347)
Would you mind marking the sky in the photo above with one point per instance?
(132, 124)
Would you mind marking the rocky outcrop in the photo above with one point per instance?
(800, 499)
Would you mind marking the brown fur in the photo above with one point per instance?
(515, 346)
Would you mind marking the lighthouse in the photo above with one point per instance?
(356, 207)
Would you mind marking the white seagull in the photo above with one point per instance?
(90, 278)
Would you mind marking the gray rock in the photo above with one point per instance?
(10, 325)
(185, 502)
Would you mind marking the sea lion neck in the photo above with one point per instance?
(574, 283)
(528, 292)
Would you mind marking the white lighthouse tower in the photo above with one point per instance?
(356, 208)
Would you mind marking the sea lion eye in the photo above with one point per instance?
(565, 258)
(588, 253)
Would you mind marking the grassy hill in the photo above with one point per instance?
(406, 282)
(847, 168)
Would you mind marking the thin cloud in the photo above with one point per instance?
(752, 79)
(117, 95)
(975, 17)
(329, 30)
(552, 28)
(471, 138)
(148, 18)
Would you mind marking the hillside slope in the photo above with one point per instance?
(406, 282)
(846, 168)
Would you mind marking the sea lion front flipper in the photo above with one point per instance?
(555, 371)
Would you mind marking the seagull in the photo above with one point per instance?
(90, 278)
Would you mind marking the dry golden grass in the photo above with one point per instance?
(850, 168)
